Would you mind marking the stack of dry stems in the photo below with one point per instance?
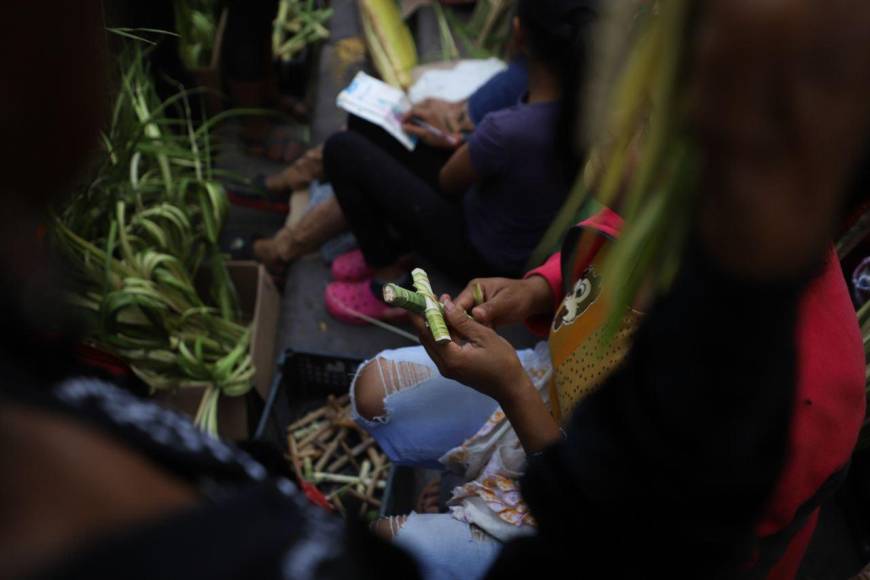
(327, 448)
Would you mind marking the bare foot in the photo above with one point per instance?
(300, 174)
(274, 253)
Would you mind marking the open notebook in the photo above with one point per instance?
(379, 103)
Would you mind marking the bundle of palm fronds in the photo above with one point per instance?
(196, 22)
(298, 24)
(139, 233)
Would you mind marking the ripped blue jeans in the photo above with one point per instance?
(425, 416)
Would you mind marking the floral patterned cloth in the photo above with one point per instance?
(492, 461)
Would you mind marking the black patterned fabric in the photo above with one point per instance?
(251, 523)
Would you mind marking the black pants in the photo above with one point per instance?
(424, 161)
(392, 211)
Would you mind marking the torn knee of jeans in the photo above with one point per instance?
(389, 526)
(382, 378)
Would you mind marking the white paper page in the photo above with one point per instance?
(378, 103)
(457, 83)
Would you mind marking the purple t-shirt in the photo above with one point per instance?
(521, 184)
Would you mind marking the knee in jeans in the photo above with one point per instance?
(369, 392)
(388, 527)
(380, 379)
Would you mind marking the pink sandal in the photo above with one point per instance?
(346, 300)
(351, 267)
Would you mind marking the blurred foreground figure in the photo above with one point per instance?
(98, 483)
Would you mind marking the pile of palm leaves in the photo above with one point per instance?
(139, 233)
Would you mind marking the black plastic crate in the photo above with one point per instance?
(311, 375)
(303, 381)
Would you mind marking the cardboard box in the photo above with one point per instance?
(260, 304)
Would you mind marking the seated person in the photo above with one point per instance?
(503, 90)
(498, 193)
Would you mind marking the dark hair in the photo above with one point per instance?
(558, 34)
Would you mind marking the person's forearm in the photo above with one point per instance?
(530, 418)
(458, 174)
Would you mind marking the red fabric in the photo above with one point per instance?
(315, 496)
(99, 359)
(551, 271)
(259, 203)
(829, 406)
(607, 222)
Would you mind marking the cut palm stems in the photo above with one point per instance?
(432, 312)
(329, 450)
(395, 295)
(478, 295)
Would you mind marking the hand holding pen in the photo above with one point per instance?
(433, 123)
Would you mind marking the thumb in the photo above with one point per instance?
(484, 313)
(459, 320)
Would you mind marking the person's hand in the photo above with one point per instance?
(507, 301)
(477, 357)
(780, 91)
(435, 122)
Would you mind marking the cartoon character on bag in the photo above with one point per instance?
(585, 293)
